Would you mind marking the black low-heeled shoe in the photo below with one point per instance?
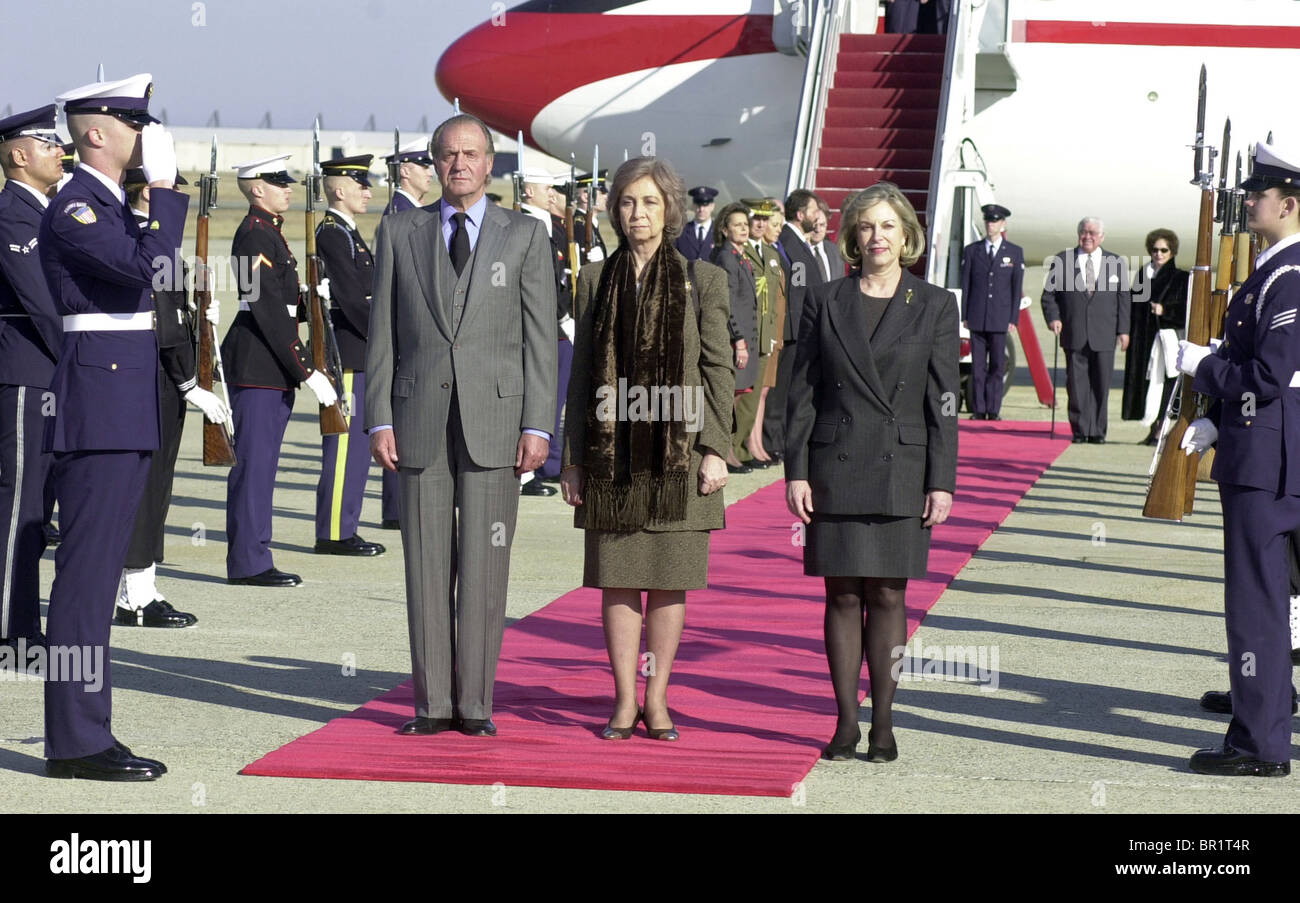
(621, 733)
(667, 734)
(843, 752)
(880, 754)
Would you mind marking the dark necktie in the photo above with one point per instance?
(990, 253)
(459, 243)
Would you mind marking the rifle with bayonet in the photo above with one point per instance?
(394, 168)
(324, 349)
(1168, 492)
(570, 212)
(517, 177)
(1243, 259)
(218, 449)
(590, 237)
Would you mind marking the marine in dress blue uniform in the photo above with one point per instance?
(31, 334)
(415, 176)
(139, 603)
(100, 266)
(696, 240)
(265, 362)
(348, 265)
(1254, 377)
(992, 282)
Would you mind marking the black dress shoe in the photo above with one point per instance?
(758, 465)
(741, 469)
(880, 754)
(992, 417)
(1232, 763)
(843, 752)
(268, 577)
(620, 733)
(427, 726)
(478, 727)
(978, 416)
(158, 613)
(537, 487)
(1078, 440)
(30, 642)
(353, 545)
(123, 748)
(113, 764)
(1220, 703)
(1096, 440)
(390, 524)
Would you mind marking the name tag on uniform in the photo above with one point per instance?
(1006, 261)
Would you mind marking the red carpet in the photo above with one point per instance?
(750, 691)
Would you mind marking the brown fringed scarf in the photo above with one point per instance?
(638, 468)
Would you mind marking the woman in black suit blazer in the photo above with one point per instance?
(871, 448)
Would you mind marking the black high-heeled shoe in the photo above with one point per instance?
(621, 733)
(843, 752)
(880, 754)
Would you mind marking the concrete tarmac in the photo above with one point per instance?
(1106, 627)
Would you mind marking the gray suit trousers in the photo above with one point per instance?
(1087, 386)
(458, 523)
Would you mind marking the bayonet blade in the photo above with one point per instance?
(1199, 146)
(212, 164)
(99, 73)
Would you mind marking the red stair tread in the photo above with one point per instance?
(909, 139)
(893, 43)
(850, 79)
(865, 98)
(880, 117)
(853, 61)
(875, 158)
(918, 180)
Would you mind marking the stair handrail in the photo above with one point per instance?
(819, 73)
(956, 97)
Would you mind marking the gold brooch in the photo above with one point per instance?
(907, 298)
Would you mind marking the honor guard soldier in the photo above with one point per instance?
(1254, 379)
(100, 267)
(769, 284)
(696, 240)
(31, 335)
(265, 361)
(583, 196)
(992, 281)
(349, 270)
(139, 602)
(414, 175)
(414, 178)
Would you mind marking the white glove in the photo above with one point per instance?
(1200, 435)
(213, 313)
(320, 384)
(157, 153)
(594, 253)
(567, 327)
(213, 408)
(1190, 356)
(1214, 349)
(324, 290)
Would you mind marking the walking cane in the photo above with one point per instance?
(1056, 350)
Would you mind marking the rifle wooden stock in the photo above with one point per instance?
(218, 450)
(1243, 263)
(590, 223)
(575, 260)
(332, 421)
(1168, 492)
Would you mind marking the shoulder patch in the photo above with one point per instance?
(81, 212)
(263, 260)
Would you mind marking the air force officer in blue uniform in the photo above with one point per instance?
(992, 281)
(1254, 377)
(31, 335)
(100, 267)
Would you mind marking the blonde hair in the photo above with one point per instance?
(666, 179)
(880, 193)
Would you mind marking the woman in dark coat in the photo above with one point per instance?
(1159, 302)
(731, 232)
(871, 448)
(645, 477)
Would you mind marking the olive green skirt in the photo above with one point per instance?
(676, 560)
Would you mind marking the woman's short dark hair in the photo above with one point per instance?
(720, 221)
(668, 182)
(1170, 239)
(887, 193)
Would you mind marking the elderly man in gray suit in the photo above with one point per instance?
(461, 368)
(1086, 302)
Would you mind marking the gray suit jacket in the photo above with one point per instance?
(1087, 322)
(871, 421)
(500, 358)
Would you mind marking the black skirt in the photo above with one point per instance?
(865, 545)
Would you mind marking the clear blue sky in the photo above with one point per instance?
(344, 60)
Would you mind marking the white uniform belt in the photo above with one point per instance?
(108, 322)
(292, 309)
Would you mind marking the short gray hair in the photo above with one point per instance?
(1089, 219)
(435, 142)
